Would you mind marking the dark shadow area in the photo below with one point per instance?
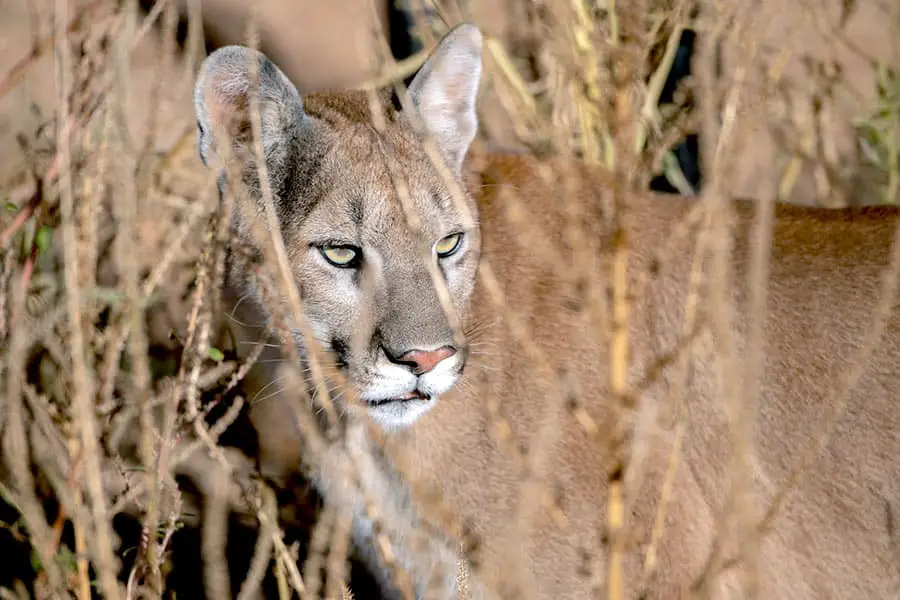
(687, 152)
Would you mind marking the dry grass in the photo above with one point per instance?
(112, 261)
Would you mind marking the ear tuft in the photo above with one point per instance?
(444, 92)
(222, 95)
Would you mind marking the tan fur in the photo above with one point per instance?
(834, 539)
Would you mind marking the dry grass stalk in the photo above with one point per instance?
(588, 92)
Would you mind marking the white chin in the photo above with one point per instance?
(399, 414)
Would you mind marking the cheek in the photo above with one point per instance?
(330, 304)
(461, 281)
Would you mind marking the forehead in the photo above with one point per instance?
(366, 177)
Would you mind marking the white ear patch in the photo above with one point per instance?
(445, 89)
(222, 97)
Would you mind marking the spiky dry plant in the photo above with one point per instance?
(116, 394)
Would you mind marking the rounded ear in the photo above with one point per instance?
(222, 100)
(444, 92)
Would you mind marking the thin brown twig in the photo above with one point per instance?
(83, 390)
(22, 216)
(41, 47)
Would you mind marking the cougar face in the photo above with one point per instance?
(368, 221)
(365, 284)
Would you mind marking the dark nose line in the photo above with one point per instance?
(423, 361)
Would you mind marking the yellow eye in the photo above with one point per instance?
(448, 245)
(341, 256)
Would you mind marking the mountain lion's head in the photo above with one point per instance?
(340, 181)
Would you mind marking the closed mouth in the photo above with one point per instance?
(413, 395)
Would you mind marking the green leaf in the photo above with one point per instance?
(66, 558)
(43, 238)
(36, 564)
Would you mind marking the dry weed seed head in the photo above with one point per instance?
(116, 389)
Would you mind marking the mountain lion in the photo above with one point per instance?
(465, 326)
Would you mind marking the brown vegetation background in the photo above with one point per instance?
(123, 425)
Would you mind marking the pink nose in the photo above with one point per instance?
(422, 362)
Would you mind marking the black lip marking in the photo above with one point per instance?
(409, 397)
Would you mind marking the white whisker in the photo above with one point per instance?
(268, 345)
(265, 387)
(234, 319)
(257, 400)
